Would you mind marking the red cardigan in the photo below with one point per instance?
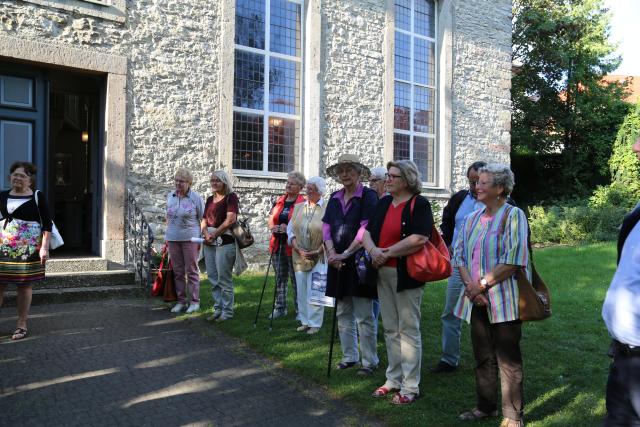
(275, 213)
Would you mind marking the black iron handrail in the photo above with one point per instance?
(139, 241)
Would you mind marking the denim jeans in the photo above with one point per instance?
(355, 319)
(451, 325)
(219, 261)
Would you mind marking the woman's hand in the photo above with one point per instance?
(472, 290)
(379, 257)
(307, 254)
(44, 254)
(481, 301)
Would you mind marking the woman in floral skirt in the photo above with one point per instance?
(25, 228)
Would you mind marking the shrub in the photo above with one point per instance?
(575, 222)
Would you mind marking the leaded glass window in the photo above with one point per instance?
(414, 134)
(267, 85)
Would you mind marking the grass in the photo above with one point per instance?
(565, 362)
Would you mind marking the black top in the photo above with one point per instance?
(630, 220)
(28, 211)
(344, 227)
(418, 222)
(283, 218)
(449, 216)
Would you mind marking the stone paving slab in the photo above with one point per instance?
(129, 362)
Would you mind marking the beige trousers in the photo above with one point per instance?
(401, 321)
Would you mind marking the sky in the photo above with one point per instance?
(625, 29)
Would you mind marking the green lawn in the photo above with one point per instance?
(565, 357)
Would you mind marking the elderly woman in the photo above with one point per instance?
(345, 220)
(400, 226)
(377, 181)
(304, 233)
(282, 253)
(220, 213)
(25, 228)
(184, 212)
(490, 247)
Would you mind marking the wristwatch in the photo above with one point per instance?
(484, 284)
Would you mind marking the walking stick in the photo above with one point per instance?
(281, 244)
(333, 325)
(264, 285)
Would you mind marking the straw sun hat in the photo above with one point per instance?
(351, 160)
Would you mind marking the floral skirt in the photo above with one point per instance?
(20, 252)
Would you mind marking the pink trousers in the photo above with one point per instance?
(184, 260)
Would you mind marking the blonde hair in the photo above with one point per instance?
(226, 180)
(185, 174)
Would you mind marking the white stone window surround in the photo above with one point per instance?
(110, 10)
(268, 55)
(413, 35)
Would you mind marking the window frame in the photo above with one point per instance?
(435, 136)
(265, 112)
(14, 105)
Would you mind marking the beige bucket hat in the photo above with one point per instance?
(349, 159)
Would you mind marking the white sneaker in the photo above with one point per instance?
(302, 328)
(178, 308)
(193, 308)
(313, 330)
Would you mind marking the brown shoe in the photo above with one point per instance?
(476, 414)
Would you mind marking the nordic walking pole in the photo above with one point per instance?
(275, 286)
(264, 285)
(333, 324)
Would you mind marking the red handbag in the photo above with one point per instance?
(158, 285)
(432, 262)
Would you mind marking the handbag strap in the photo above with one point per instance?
(36, 197)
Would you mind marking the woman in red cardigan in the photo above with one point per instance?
(282, 261)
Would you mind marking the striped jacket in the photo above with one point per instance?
(508, 246)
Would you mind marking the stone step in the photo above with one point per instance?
(87, 279)
(76, 264)
(85, 293)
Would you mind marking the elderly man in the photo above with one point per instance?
(621, 314)
(459, 206)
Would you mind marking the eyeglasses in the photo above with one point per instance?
(181, 181)
(388, 176)
(214, 180)
(19, 175)
(473, 183)
(374, 180)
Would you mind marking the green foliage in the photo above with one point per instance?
(578, 221)
(624, 165)
(560, 105)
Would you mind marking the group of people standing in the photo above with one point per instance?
(365, 234)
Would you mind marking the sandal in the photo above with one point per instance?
(476, 414)
(346, 365)
(382, 391)
(365, 371)
(19, 334)
(404, 399)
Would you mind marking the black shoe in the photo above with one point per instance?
(442, 367)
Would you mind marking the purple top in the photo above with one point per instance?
(326, 228)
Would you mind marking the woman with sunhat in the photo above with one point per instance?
(344, 222)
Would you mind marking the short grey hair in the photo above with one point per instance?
(185, 174)
(226, 180)
(378, 172)
(502, 176)
(320, 183)
(410, 174)
(299, 176)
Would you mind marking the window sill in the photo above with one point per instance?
(114, 11)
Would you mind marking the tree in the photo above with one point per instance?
(562, 111)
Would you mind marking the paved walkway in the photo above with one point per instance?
(128, 362)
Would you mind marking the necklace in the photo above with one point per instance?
(308, 217)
